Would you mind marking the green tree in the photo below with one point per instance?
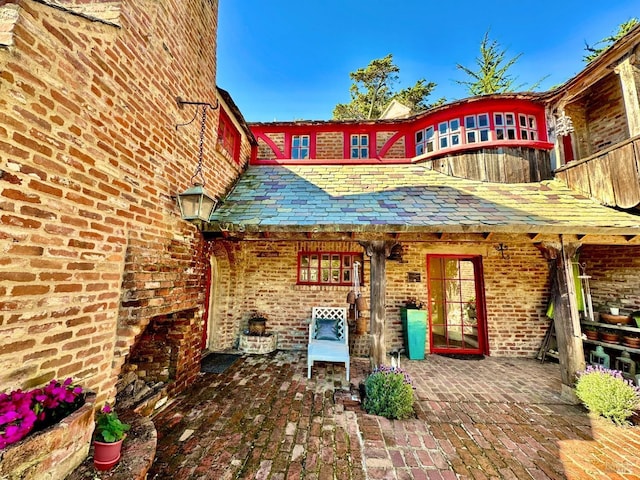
(492, 75)
(373, 89)
(594, 51)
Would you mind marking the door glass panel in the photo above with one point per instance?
(453, 284)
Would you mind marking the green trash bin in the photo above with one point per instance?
(414, 328)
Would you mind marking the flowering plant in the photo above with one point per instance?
(389, 392)
(109, 427)
(22, 412)
(607, 393)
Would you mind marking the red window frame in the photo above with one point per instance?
(318, 272)
(228, 136)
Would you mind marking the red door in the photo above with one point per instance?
(457, 321)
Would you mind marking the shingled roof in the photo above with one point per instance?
(407, 198)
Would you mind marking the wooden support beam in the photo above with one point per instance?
(534, 236)
(487, 235)
(630, 238)
(565, 313)
(378, 251)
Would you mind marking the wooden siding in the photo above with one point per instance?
(611, 177)
(502, 165)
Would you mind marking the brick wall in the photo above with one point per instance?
(329, 145)
(606, 115)
(397, 150)
(516, 290)
(92, 244)
(614, 276)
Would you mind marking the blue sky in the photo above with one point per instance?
(290, 60)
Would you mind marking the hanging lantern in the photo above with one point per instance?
(195, 204)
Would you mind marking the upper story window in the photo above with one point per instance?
(528, 130)
(327, 268)
(477, 128)
(449, 133)
(360, 146)
(425, 140)
(505, 126)
(228, 136)
(300, 147)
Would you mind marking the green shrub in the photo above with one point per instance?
(389, 393)
(607, 393)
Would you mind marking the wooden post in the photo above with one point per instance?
(627, 69)
(566, 317)
(378, 250)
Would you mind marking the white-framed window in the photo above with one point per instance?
(300, 147)
(477, 128)
(505, 126)
(449, 133)
(360, 146)
(425, 140)
(528, 129)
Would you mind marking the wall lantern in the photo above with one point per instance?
(195, 204)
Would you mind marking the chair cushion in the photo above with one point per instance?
(327, 329)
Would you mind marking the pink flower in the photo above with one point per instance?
(106, 408)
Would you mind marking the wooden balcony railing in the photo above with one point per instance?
(611, 176)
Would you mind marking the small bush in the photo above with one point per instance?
(389, 393)
(607, 393)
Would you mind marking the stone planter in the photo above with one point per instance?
(258, 344)
(51, 453)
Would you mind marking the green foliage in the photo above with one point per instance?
(109, 427)
(492, 75)
(606, 393)
(372, 90)
(594, 51)
(389, 393)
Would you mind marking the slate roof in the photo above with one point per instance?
(396, 198)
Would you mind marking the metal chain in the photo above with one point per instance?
(201, 146)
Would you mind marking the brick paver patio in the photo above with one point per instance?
(476, 419)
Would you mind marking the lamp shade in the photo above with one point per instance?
(196, 204)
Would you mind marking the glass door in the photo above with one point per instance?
(456, 304)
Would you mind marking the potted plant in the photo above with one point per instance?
(631, 340)
(414, 327)
(591, 332)
(110, 433)
(610, 336)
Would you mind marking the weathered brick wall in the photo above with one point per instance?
(397, 150)
(516, 289)
(329, 145)
(93, 246)
(614, 276)
(265, 151)
(606, 115)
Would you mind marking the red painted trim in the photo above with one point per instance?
(357, 255)
(406, 128)
(335, 161)
(270, 143)
(483, 337)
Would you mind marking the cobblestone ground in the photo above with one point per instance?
(491, 418)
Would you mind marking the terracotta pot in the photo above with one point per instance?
(106, 455)
(592, 334)
(632, 342)
(362, 325)
(609, 337)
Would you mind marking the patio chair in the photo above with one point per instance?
(328, 337)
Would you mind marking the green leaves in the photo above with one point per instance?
(389, 393)
(373, 89)
(110, 428)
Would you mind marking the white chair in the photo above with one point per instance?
(328, 337)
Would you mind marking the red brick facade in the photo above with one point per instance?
(516, 288)
(91, 160)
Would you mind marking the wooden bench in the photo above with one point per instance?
(328, 337)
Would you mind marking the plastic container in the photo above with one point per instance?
(414, 328)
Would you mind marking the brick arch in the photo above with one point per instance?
(221, 332)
